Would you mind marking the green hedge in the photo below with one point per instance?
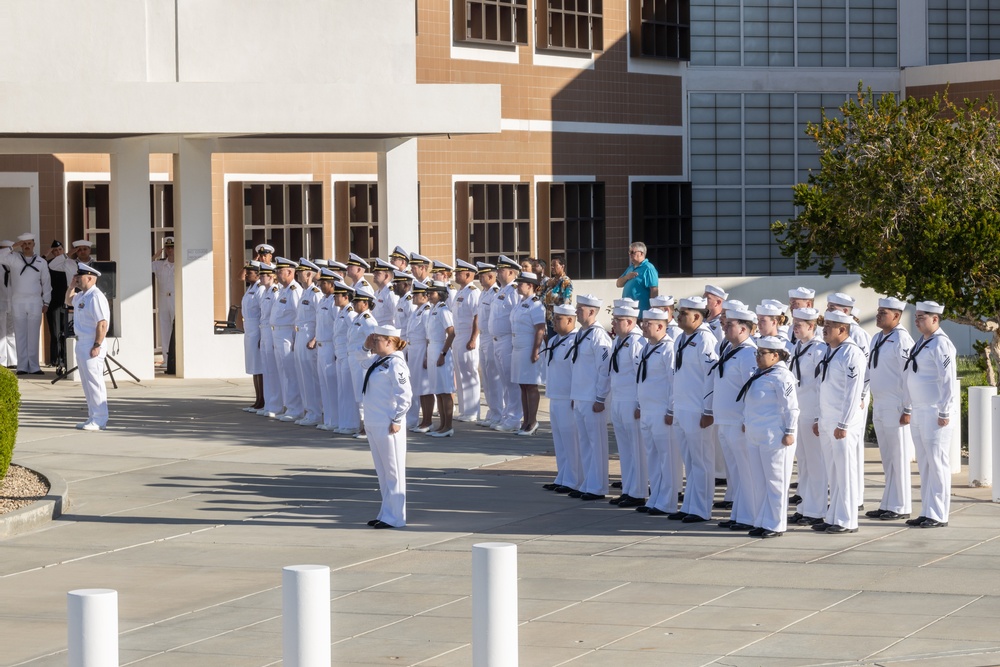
(10, 404)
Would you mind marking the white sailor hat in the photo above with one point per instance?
(589, 300)
(716, 291)
(801, 293)
(484, 267)
(364, 292)
(741, 314)
(356, 260)
(930, 307)
(838, 317)
(83, 243)
(505, 262)
(771, 343)
(527, 277)
(6, 243)
(564, 309)
(416, 258)
(306, 265)
(419, 287)
(400, 253)
(168, 242)
(387, 330)
(382, 265)
(768, 309)
(655, 315)
(693, 303)
(285, 263)
(622, 311)
(441, 266)
(334, 264)
(841, 299)
(27, 236)
(733, 304)
(340, 287)
(661, 301)
(266, 248)
(892, 303)
(86, 270)
(265, 268)
(462, 265)
(327, 274)
(624, 303)
(401, 276)
(807, 314)
(775, 303)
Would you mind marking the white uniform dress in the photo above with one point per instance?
(842, 384)
(523, 320)
(283, 336)
(29, 290)
(348, 417)
(440, 379)
(253, 363)
(622, 367)
(589, 354)
(164, 272)
(306, 359)
(326, 366)
(492, 387)
(8, 350)
(465, 310)
(813, 483)
(930, 384)
(90, 308)
(771, 411)
(272, 381)
(694, 357)
(386, 398)
(886, 380)
(654, 391)
(559, 376)
(416, 336)
(503, 345)
(362, 326)
(384, 309)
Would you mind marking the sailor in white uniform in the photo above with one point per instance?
(467, 347)
(800, 298)
(92, 315)
(283, 314)
(385, 299)
(326, 365)
(500, 309)
(666, 304)
(527, 325)
(559, 371)
(348, 417)
(305, 332)
(422, 408)
(492, 387)
(622, 367)
(29, 290)
(440, 360)
(253, 361)
(400, 259)
(714, 297)
(357, 334)
(806, 353)
(272, 381)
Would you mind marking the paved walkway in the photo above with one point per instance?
(189, 508)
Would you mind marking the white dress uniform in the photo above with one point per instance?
(622, 367)
(842, 385)
(492, 385)
(8, 350)
(733, 369)
(715, 326)
(283, 334)
(165, 307)
(930, 381)
(416, 336)
(771, 411)
(654, 391)
(694, 357)
(465, 310)
(272, 380)
(813, 482)
(363, 325)
(589, 353)
(503, 344)
(30, 289)
(558, 388)
(384, 309)
(886, 380)
(90, 308)
(404, 308)
(523, 320)
(864, 341)
(348, 417)
(253, 363)
(441, 379)
(326, 366)
(306, 359)
(386, 399)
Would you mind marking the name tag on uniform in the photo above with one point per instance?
(501, 297)
(305, 302)
(282, 300)
(460, 299)
(524, 305)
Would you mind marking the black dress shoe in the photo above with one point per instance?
(770, 533)
(575, 494)
(720, 481)
(38, 372)
(591, 496)
(656, 512)
(808, 521)
(931, 523)
(916, 522)
(632, 502)
(382, 524)
(616, 485)
(795, 517)
(550, 487)
(677, 516)
(562, 489)
(643, 509)
(373, 522)
(893, 516)
(617, 499)
(756, 532)
(793, 485)
(725, 524)
(740, 526)
(875, 514)
(795, 500)
(693, 518)
(21, 373)
(835, 529)
(821, 526)
(722, 505)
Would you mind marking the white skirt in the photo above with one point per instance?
(522, 371)
(419, 382)
(252, 360)
(441, 378)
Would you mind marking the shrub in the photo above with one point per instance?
(10, 404)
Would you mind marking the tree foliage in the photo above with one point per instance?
(908, 197)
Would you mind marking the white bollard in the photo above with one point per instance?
(981, 436)
(995, 404)
(956, 432)
(305, 608)
(93, 627)
(494, 604)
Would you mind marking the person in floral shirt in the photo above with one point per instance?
(557, 290)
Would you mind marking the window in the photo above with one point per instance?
(570, 25)
(492, 219)
(661, 218)
(660, 29)
(363, 220)
(961, 31)
(491, 21)
(575, 222)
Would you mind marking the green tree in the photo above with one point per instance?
(908, 197)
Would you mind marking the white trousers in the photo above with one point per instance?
(841, 458)
(569, 467)
(466, 376)
(933, 447)
(722, 466)
(894, 447)
(306, 365)
(770, 474)
(284, 359)
(745, 493)
(503, 351)
(27, 323)
(697, 446)
(91, 373)
(814, 487)
(326, 370)
(592, 431)
(860, 444)
(631, 453)
(348, 413)
(389, 455)
(8, 351)
(491, 379)
(663, 459)
(165, 320)
(272, 382)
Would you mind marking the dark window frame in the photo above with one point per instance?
(662, 219)
(576, 26)
(660, 29)
(493, 22)
(493, 219)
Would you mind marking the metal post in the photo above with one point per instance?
(981, 436)
(305, 605)
(93, 627)
(494, 605)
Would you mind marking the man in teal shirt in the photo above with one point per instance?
(640, 280)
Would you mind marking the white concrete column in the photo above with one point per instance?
(995, 406)
(956, 431)
(133, 304)
(981, 436)
(194, 283)
(305, 610)
(913, 33)
(494, 605)
(398, 197)
(92, 627)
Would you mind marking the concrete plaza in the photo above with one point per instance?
(189, 508)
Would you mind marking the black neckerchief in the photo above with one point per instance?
(30, 265)
(551, 349)
(684, 342)
(873, 358)
(378, 362)
(796, 364)
(913, 354)
(721, 363)
(581, 336)
(618, 347)
(749, 383)
(640, 374)
(824, 363)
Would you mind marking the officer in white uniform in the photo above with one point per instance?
(416, 358)
(930, 382)
(326, 367)
(841, 421)
(622, 367)
(8, 351)
(91, 326)
(806, 353)
(305, 355)
(891, 412)
(500, 310)
(466, 313)
(689, 415)
(355, 273)
(590, 353)
(272, 381)
(348, 417)
(714, 297)
(442, 272)
(30, 289)
(283, 314)
(253, 362)
(358, 333)
(402, 283)
(558, 389)
(420, 267)
(385, 299)
(440, 362)
(492, 387)
(386, 395)
(163, 269)
(400, 259)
